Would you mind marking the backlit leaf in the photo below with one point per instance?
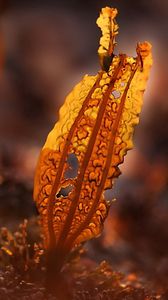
(80, 158)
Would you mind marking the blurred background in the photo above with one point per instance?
(45, 49)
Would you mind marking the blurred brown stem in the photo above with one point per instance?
(55, 281)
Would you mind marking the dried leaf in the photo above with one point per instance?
(109, 29)
(81, 155)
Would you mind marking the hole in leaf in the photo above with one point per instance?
(116, 94)
(73, 165)
(64, 192)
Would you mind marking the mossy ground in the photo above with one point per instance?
(23, 273)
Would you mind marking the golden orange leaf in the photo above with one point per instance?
(109, 28)
(80, 158)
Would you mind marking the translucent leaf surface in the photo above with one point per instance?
(81, 155)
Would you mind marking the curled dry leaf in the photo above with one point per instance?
(80, 158)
